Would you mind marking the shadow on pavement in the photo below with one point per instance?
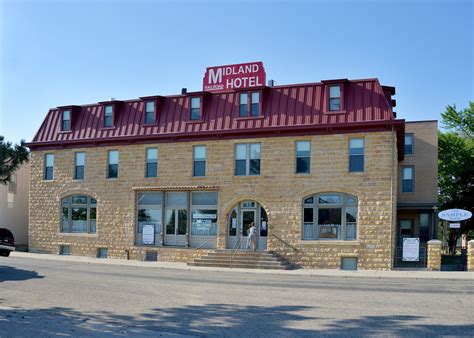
(9, 273)
(215, 320)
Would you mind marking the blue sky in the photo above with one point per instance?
(56, 53)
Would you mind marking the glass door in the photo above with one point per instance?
(176, 227)
(248, 216)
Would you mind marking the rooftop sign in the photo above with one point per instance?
(455, 215)
(239, 76)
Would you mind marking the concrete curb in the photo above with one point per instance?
(411, 274)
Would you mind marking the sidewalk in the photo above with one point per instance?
(414, 274)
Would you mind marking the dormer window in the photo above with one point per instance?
(195, 108)
(334, 98)
(66, 120)
(108, 116)
(150, 112)
(252, 101)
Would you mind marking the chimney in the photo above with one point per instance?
(184, 91)
(271, 83)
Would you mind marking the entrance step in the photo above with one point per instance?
(242, 259)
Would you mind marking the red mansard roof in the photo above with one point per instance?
(285, 110)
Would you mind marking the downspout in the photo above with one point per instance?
(392, 174)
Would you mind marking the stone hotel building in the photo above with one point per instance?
(327, 173)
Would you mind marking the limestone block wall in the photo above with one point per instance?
(470, 255)
(278, 189)
(434, 255)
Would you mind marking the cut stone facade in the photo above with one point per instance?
(278, 189)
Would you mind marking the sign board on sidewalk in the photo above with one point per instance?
(455, 215)
(148, 234)
(454, 225)
(238, 76)
(411, 249)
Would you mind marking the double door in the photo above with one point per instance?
(176, 227)
(239, 226)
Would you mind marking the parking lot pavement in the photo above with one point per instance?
(47, 297)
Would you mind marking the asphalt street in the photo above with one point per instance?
(52, 298)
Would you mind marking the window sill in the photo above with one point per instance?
(106, 128)
(302, 174)
(48, 180)
(195, 121)
(242, 118)
(77, 234)
(327, 242)
(65, 132)
(334, 112)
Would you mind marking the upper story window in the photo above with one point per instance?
(48, 166)
(330, 216)
(78, 214)
(252, 100)
(199, 163)
(334, 98)
(303, 157)
(150, 112)
(247, 159)
(108, 116)
(151, 162)
(409, 144)
(113, 164)
(66, 120)
(356, 154)
(195, 108)
(407, 179)
(79, 168)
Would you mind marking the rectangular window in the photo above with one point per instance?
(255, 104)
(348, 263)
(407, 179)
(113, 166)
(66, 125)
(334, 98)
(48, 166)
(199, 165)
(406, 227)
(64, 250)
(80, 162)
(409, 144)
(108, 116)
(204, 213)
(195, 108)
(102, 252)
(150, 112)
(244, 105)
(151, 162)
(247, 159)
(150, 210)
(303, 157)
(356, 154)
(329, 223)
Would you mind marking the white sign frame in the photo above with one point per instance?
(411, 249)
(455, 215)
(148, 234)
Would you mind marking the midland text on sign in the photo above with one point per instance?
(245, 75)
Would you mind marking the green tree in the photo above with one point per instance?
(456, 164)
(11, 158)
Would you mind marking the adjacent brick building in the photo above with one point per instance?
(315, 166)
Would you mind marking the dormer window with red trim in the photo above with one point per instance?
(150, 112)
(335, 98)
(252, 101)
(108, 116)
(66, 120)
(196, 108)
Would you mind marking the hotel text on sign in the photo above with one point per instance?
(244, 75)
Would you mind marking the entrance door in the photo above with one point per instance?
(248, 217)
(176, 227)
(239, 224)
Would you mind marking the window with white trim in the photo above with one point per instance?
(195, 108)
(151, 162)
(334, 98)
(113, 164)
(356, 154)
(199, 163)
(78, 214)
(330, 216)
(48, 167)
(247, 159)
(79, 167)
(303, 157)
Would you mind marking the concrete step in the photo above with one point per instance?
(240, 265)
(242, 259)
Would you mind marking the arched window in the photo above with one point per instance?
(78, 214)
(330, 216)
